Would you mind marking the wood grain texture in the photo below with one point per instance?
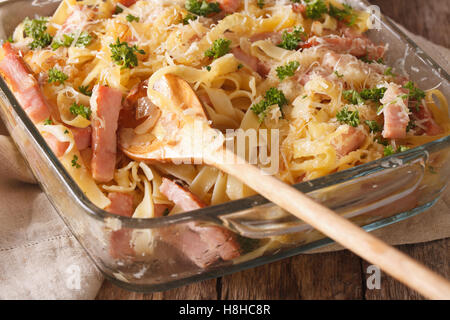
(336, 275)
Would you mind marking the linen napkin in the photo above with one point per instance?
(40, 258)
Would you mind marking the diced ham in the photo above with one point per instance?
(213, 241)
(252, 62)
(58, 147)
(348, 139)
(106, 104)
(229, 6)
(24, 85)
(395, 112)
(180, 196)
(121, 204)
(82, 137)
(425, 117)
(127, 3)
(360, 46)
(298, 8)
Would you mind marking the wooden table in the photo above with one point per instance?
(335, 275)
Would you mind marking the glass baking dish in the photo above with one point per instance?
(373, 195)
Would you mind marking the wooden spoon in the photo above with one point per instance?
(181, 109)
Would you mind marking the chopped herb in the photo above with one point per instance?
(389, 72)
(373, 126)
(347, 14)
(75, 163)
(55, 75)
(348, 117)
(291, 40)
(208, 68)
(374, 94)
(353, 97)
(83, 40)
(287, 70)
(316, 9)
(240, 66)
(10, 39)
(85, 90)
(305, 96)
(188, 18)
(48, 122)
(66, 131)
(415, 93)
(219, 48)
(118, 10)
(166, 212)
(382, 141)
(402, 149)
(338, 74)
(388, 150)
(272, 97)
(36, 29)
(131, 18)
(202, 8)
(80, 110)
(260, 3)
(124, 55)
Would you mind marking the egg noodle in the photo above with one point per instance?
(321, 85)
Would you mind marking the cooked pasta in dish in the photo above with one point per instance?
(87, 78)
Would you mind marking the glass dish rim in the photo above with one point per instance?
(213, 212)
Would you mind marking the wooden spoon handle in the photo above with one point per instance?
(375, 251)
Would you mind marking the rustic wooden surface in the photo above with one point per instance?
(334, 275)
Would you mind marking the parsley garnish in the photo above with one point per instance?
(414, 93)
(55, 75)
(389, 72)
(219, 48)
(353, 97)
(75, 163)
(48, 122)
(260, 3)
(348, 117)
(240, 66)
(411, 125)
(272, 97)
(188, 18)
(373, 126)
(338, 74)
(287, 70)
(85, 90)
(291, 40)
(208, 68)
(36, 29)
(83, 40)
(202, 8)
(10, 39)
(347, 14)
(123, 55)
(374, 94)
(118, 10)
(80, 110)
(316, 9)
(66, 131)
(389, 150)
(131, 18)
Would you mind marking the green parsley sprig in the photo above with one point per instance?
(273, 96)
(36, 29)
(83, 40)
(131, 18)
(202, 8)
(219, 48)
(291, 40)
(346, 116)
(373, 126)
(124, 55)
(80, 110)
(56, 76)
(85, 90)
(287, 70)
(75, 162)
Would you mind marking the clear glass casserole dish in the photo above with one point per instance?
(372, 195)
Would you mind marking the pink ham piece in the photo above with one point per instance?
(298, 8)
(24, 85)
(229, 6)
(106, 104)
(252, 62)
(395, 112)
(425, 117)
(349, 139)
(121, 204)
(215, 242)
(58, 147)
(82, 137)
